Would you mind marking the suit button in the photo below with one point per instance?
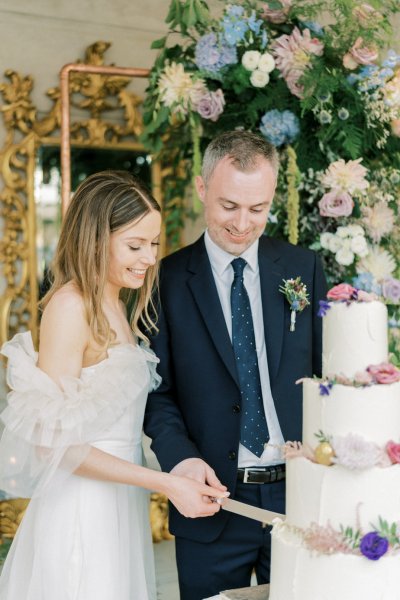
(236, 408)
(232, 455)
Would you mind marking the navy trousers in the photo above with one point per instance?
(204, 570)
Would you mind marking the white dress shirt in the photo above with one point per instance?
(223, 275)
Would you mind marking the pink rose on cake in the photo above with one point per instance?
(384, 373)
(343, 291)
(393, 451)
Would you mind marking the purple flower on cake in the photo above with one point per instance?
(384, 373)
(325, 388)
(373, 546)
(343, 291)
(324, 306)
(353, 452)
(391, 290)
(393, 451)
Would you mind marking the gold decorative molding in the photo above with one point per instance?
(90, 93)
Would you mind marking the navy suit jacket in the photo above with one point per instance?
(194, 413)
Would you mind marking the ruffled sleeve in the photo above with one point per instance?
(48, 427)
(152, 361)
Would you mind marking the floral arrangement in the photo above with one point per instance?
(295, 292)
(351, 451)
(384, 373)
(325, 539)
(325, 92)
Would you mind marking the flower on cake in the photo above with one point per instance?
(393, 451)
(343, 291)
(384, 373)
(353, 452)
(373, 546)
(325, 540)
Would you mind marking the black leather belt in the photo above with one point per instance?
(270, 474)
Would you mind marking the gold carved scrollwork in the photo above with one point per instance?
(89, 93)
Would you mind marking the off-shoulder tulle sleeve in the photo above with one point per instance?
(49, 429)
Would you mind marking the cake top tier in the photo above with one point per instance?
(354, 331)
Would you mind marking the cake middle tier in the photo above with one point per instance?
(372, 412)
(340, 496)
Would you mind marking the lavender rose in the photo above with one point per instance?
(373, 546)
(336, 204)
(391, 289)
(211, 105)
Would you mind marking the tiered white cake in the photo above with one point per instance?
(334, 544)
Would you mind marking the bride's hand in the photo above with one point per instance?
(192, 498)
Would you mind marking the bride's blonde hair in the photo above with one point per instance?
(102, 204)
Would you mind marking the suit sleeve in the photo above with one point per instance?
(319, 293)
(163, 422)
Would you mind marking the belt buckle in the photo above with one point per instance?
(246, 474)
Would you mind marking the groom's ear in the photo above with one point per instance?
(200, 187)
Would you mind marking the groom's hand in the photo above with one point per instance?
(199, 470)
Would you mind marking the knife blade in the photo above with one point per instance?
(246, 510)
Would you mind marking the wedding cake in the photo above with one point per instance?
(341, 536)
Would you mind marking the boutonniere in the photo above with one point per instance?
(295, 292)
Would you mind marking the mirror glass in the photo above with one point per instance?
(47, 190)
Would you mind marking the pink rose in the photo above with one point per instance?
(359, 55)
(393, 451)
(343, 380)
(336, 204)
(384, 373)
(211, 105)
(343, 291)
(363, 378)
(365, 14)
(363, 296)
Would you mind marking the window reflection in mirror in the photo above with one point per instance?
(47, 189)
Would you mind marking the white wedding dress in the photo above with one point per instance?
(80, 539)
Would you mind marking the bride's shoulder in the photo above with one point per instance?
(66, 307)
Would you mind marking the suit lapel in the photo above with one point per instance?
(205, 294)
(273, 303)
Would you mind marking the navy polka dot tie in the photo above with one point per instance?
(253, 426)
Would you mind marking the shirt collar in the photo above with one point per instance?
(221, 260)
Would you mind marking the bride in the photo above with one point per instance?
(73, 423)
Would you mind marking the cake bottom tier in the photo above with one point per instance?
(298, 574)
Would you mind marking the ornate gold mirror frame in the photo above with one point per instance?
(91, 93)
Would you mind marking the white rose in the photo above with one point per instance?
(259, 79)
(266, 63)
(346, 244)
(359, 245)
(343, 232)
(325, 239)
(344, 257)
(250, 59)
(334, 244)
(355, 230)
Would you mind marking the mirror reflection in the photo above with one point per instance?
(47, 190)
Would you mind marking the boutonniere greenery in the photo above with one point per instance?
(295, 292)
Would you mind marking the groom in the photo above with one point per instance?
(229, 364)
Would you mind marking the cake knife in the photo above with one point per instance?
(246, 510)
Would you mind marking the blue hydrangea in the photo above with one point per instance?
(392, 59)
(212, 54)
(254, 23)
(235, 11)
(234, 31)
(366, 281)
(280, 127)
(314, 27)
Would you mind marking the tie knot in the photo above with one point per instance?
(238, 265)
